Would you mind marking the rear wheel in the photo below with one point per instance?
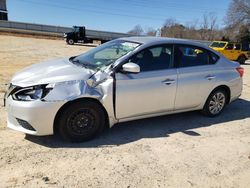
(81, 121)
(241, 60)
(215, 103)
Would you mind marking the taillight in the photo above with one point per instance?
(240, 71)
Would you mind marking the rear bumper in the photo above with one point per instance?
(37, 114)
(236, 89)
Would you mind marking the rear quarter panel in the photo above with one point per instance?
(226, 74)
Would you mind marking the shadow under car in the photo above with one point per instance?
(162, 126)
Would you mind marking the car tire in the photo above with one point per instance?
(70, 41)
(241, 60)
(215, 103)
(81, 121)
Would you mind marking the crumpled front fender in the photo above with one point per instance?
(71, 90)
(79, 89)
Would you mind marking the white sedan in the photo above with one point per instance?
(124, 79)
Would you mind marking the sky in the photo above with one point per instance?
(115, 15)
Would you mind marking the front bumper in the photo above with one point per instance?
(38, 114)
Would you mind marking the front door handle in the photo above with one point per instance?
(168, 81)
(210, 77)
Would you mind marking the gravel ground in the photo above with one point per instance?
(182, 150)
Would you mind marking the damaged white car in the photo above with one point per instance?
(122, 80)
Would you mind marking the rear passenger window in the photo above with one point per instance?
(187, 56)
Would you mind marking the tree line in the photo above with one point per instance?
(237, 26)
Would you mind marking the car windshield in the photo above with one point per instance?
(218, 44)
(75, 29)
(105, 54)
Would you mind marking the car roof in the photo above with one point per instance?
(220, 41)
(147, 41)
(155, 40)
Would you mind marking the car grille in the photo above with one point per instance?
(25, 124)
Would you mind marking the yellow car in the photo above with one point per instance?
(232, 51)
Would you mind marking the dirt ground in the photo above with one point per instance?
(183, 150)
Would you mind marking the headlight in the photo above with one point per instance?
(32, 93)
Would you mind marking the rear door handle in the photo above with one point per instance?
(168, 81)
(210, 77)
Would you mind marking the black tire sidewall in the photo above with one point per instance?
(241, 60)
(70, 43)
(72, 108)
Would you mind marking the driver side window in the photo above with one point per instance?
(154, 58)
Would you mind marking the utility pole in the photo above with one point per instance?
(3, 10)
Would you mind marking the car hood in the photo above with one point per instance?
(53, 71)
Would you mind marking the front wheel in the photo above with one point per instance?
(215, 103)
(81, 121)
(70, 41)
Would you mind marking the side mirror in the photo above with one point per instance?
(131, 68)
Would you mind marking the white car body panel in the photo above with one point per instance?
(134, 96)
(53, 71)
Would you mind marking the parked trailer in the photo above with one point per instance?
(33, 27)
(58, 31)
(80, 35)
(87, 35)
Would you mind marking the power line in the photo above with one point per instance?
(96, 11)
(174, 5)
(116, 9)
(90, 10)
(112, 9)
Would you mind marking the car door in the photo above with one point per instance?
(153, 89)
(80, 33)
(229, 51)
(237, 51)
(196, 77)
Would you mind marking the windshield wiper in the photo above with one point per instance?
(86, 64)
(83, 64)
(75, 61)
